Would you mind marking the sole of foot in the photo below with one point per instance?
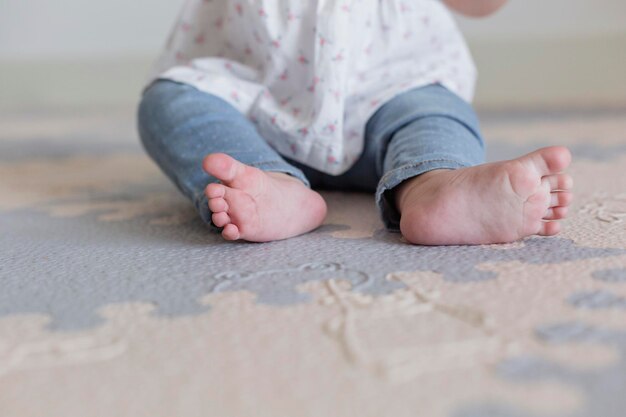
(497, 202)
(258, 206)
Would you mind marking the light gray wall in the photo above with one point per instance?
(532, 52)
(550, 19)
(88, 28)
(72, 29)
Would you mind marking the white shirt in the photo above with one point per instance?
(310, 73)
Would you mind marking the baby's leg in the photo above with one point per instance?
(437, 189)
(217, 159)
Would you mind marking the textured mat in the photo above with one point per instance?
(116, 300)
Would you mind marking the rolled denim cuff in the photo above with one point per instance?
(385, 199)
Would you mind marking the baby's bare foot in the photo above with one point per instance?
(491, 203)
(259, 206)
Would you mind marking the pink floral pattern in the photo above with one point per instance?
(310, 74)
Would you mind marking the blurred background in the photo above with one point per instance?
(532, 53)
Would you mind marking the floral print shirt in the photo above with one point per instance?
(310, 73)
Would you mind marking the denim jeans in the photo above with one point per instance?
(415, 132)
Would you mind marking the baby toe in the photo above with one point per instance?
(560, 182)
(556, 213)
(215, 190)
(549, 228)
(218, 204)
(230, 232)
(220, 219)
(560, 198)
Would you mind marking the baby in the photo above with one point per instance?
(256, 103)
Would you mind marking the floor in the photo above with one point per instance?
(116, 300)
